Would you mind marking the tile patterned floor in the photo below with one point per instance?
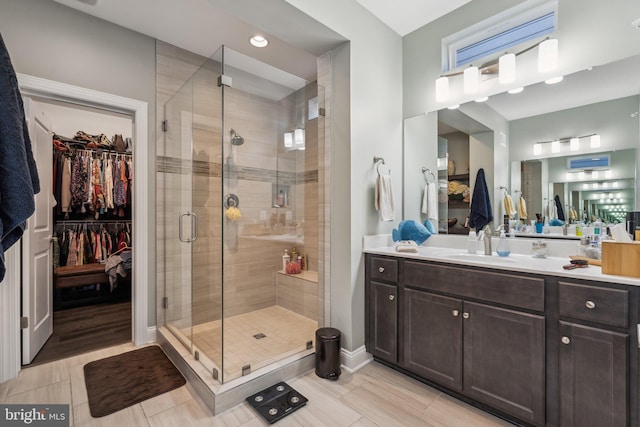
(286, 333)
(373, 396)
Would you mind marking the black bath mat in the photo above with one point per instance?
(117, 382)
(276, 402)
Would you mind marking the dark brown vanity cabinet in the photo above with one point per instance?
(382, 308)
(538, 349)
(593, 372)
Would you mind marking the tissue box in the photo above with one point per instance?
(621, 259)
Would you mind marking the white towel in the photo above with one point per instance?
(384, 198)
(430, 201)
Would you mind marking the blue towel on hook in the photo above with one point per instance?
(481, 213)
(18, 174)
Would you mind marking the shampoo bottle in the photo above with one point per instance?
(503, 245)
(471, 243)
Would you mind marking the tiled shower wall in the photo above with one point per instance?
(252, 248)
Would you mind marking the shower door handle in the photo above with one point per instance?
(194, 227)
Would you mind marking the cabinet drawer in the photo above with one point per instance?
(594, 304)
(509, 289)
(384, 269)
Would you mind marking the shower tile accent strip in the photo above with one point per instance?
(212, 169)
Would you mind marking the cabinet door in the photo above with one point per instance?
(504, 356)
(593, 377)
(383, 321)
(433, 337)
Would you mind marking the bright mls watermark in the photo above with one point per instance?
(34, 415)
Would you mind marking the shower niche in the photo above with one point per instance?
(232, 140)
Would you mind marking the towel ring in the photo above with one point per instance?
(425, 170)
(380, 161)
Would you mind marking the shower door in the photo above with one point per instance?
(176, 220)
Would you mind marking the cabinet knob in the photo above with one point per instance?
(565, 340)
(381, 269)
(465, 315)
(455, 313)
(392, 297)
(590, 305)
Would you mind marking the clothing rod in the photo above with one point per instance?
(91, 222)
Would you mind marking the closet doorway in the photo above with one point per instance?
(86, 154)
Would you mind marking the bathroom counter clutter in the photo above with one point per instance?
(515, 262)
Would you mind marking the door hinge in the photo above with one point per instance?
(165, 126)
(225, 81)
(24, 322)
(165, 302)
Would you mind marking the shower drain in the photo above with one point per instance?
(259, 336)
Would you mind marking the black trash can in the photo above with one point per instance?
(328, 353)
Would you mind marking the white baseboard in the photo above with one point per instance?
(152, 334)
(353, 360)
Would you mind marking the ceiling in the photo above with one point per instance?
(405, 16)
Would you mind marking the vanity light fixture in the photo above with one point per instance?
(574, 144)
(507, 68)
(615, 184)
(548, 55)
(258, 41)
(594, 175)
(298, 138)
(581, 177)
(537, 149)
(504, 67)
(605, 185)
(442, 89)
(471, 80)
(585, 186)
(608, 174)
(288, 139)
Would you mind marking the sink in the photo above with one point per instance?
(493, 259)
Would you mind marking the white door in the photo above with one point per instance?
(37, 265)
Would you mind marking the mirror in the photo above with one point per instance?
(543, 113)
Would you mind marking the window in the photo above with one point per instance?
(497, 34)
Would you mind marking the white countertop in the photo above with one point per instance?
(447, 250)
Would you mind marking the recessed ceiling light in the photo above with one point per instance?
(258, 41)
(516, 90)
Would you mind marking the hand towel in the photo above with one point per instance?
(559, 209)
(430, 201)
(551, 211)
(384, 198)
(509, 209)
(481, 213)
(522, 208)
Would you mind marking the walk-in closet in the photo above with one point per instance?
(91, 245)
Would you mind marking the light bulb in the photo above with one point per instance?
(537, 149)
(574, 144)
(471, 80)
(298, 137)
(507, 68)
(442, 89)
(548, 55)
(288, 139)
(595, 141)
(555, 146)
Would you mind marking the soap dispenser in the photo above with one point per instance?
(503, 245)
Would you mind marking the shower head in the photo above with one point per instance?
(235, 138)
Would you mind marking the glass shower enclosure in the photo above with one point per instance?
(238, 184)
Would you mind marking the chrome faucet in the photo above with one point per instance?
(485, 235)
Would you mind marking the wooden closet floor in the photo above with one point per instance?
(83, 329)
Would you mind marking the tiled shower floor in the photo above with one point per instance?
(286, 333)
